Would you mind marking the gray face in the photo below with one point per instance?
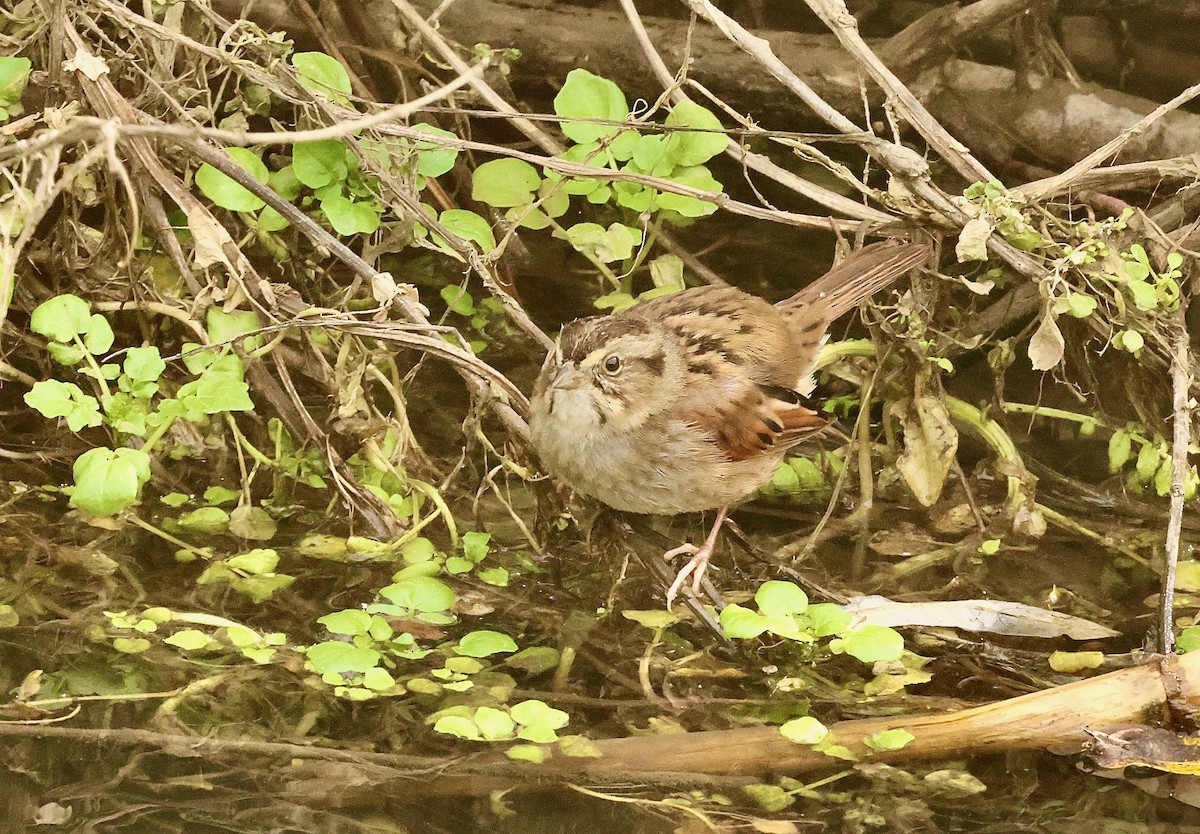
(605, 372)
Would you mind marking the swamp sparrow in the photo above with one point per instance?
(690, 401)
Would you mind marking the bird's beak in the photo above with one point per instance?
(567, 378)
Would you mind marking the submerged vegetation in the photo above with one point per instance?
(265, 344)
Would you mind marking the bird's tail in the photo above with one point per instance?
(859, 276)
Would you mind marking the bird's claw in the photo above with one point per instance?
(695, 568)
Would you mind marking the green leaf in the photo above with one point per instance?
(534, 713)
(785, 479)
(253, 523)
(457, 725)
(107, 481)
(99, 336)
(770, 797)
(484, 644)
(1188, 640)
(420, 593)
(494, 724)
(476, 545)
(686, 148)
(497, 577)
(434, 160)
(990, 547)
(285, 183)
(1144, 296)
(144, 364)
(271, 220)
(61, 318)
(633, 196)
(378, 679)
(1162, 479)
(1080, 306)
(504, 183)
(226, 193)
(14, 77)
(418, 550)
(887, 740)
(64, 399)
(458, 300)
(259, 561)
(65, 354)
(579, 747)
(585, 155)
(220, 388)
(464, 665)
(555, 199)
(616, 243)
(649, 151)
(740, 622)
(1120, 449)
(189, 639)
(534, 660)
(348, 217)
(321, 163)
(469, 226)
(655, 619)
(217, 495)
(336, 657)
(622, 148)
(351, 621)
(695, 177)
(804, 730)
(873, 643)
(588, 96)
(1147, 461)
(241, 636)
(779, 599)
(456, 565)
(205, 520)
(827, 619)
(527, 753)
(1129, 340)
(323, 74)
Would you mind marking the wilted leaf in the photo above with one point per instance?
(972, 242)
(930, 442)
(992, 615)
(1047, 345)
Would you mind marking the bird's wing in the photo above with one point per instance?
(744, 419)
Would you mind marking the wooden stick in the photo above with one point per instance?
(1052, 718)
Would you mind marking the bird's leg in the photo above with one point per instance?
(698, 564)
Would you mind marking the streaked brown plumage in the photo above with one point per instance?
(688, 402)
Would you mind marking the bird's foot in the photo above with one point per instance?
(695, 567)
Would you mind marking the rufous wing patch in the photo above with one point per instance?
(752, 423)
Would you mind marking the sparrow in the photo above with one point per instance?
(688, 402)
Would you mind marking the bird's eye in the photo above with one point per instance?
(612, 364)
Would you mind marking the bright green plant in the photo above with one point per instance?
(530, 720)
(804, 479)
(128, 400)
(14, 78)
(485, 316)
(1151, 462)
(251, 573)
(537, 200)
(783, 610)
(995, 210)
